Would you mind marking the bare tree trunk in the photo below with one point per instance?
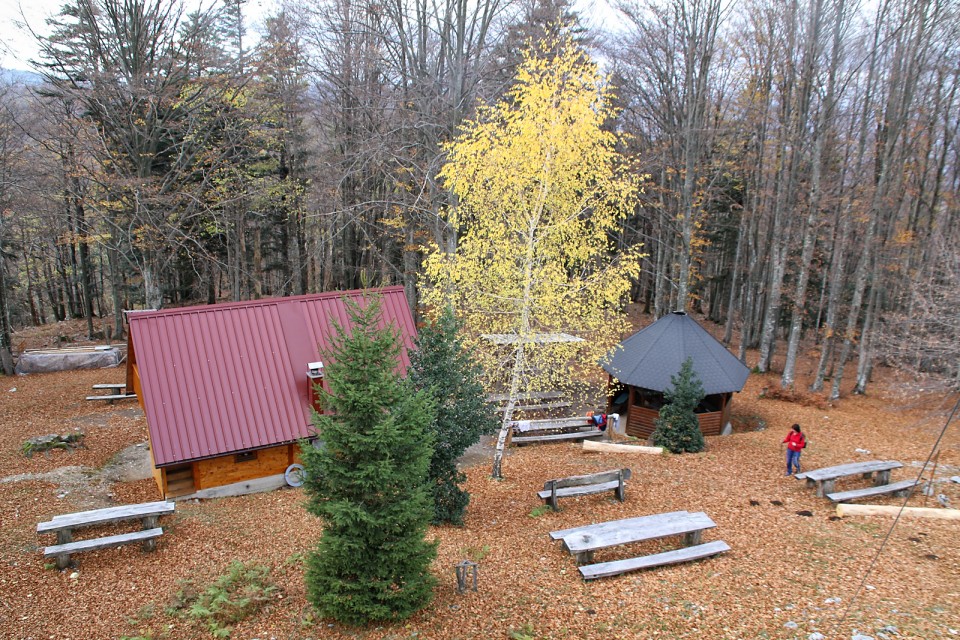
(6, 350)
(836, 279)
(116, 280)
(813, 211)
(734, 272)
(866, 344)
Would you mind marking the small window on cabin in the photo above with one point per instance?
(246, 456)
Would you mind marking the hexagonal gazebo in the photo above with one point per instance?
(641, 366)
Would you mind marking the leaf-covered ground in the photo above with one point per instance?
(787, 576)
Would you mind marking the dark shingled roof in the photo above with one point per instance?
(651, 356)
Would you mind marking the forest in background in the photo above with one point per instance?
(799, 161)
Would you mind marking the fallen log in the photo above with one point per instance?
(609, 447)
(908, 512)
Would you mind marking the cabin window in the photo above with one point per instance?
(648, 399)
(246, 456)
(710, 404)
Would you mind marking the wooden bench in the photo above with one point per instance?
(582, 542)
(120, 386)
(684, 554)
(900, 489)
(825, 479)
(62, 552)
(584, 486)
(554, 430)
(533, 401)
(113, 397)
(63, 526)
(115, 392)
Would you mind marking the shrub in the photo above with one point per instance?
(241, 592)
(677, 429)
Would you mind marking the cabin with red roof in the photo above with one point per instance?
(227, 389)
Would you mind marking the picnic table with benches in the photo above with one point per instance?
(533, 401)
(825, 479)
(63, 526)
(585, 485)
(583, 541)
(113, 392)
(556, 429)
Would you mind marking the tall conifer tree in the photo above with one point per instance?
(368, 480)
(443, 367)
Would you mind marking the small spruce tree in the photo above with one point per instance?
(368, 481)
(446, 370)
(677, 428)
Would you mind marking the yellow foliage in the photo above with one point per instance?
(540, 190)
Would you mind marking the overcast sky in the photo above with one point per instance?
(18, 46)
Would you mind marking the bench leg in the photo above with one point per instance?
(552, 498)
(63, 561)
(150, 544)
(811, 482)
(825, 487)
(621, 491)
(868, 475)
(149, 522)
(64, 536)
(692, 538)
(883, 477)
(584, 557)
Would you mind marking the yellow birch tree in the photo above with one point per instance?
(540, 189)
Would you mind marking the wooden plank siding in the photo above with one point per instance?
(224, 470)
(216, 472)
(158, 475)
(642, 421)
(136, 388)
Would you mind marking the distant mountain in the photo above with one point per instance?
(21, 77)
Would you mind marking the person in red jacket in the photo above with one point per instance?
(795, 441)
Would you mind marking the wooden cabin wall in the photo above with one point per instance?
(157, 475)
(216, 472)
(725, 420)
(641, 421)
(137, 388)
(224, 470)
(710, 423)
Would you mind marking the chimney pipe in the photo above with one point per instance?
(315, 379)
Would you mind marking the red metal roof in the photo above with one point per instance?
(229, 377)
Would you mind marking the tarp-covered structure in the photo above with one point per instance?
(641, 368)
(48, 360)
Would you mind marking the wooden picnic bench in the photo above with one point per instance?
(553, 430)
(63, 525)
(900, 489)
(114, 392)
(825, 479)
(532, 401)
(583, 541)
(585, 485)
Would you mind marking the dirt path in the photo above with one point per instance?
(89, 487)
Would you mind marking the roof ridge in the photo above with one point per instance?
(140, 314)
